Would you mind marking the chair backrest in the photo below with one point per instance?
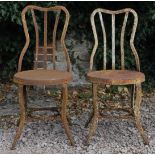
(113, 14)
(45, 52)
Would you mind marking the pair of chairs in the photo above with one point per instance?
(44, 76)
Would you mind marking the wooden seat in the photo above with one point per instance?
(41, 75)
(116, 77)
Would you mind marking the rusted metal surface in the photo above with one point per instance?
(22, 115)
(54, 38)
(94, 121)
(113, 76)
(58, 9)
(45, 39)
(137, 113)
(64, 113)
(40, 75)
(116, 77)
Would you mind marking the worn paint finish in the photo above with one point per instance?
(116, 77)
(113, 14)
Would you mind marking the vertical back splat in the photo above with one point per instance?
(37, 38)
(45, 40)
(104, 40)
(54, 37)
(44, 53)
(113, 16)
(122, 39)
(113, 41)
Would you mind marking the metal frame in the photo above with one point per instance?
(136, 94)
(22, 87)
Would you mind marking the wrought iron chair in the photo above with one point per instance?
(43, 76)
(115, 76)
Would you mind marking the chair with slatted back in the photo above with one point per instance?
(115, 76)
(41, 75)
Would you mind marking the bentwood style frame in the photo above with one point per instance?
(115, 76)
(40, 75)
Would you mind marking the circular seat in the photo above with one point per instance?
(42, 77)
(116, 77)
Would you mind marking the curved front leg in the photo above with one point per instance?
(64, 115)
(138, 114)
(22, 103)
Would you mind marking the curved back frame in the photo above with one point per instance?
(45, 49)
(99, 11)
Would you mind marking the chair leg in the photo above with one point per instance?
(138, 114)
(25, 96)
(94, 122)
(69, 121)
(132, 95)
(25, 102)
(22, 115)
(64, 115)
(89, 120)
(67, 115)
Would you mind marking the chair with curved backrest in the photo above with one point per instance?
(115, 76)
(41, 75)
